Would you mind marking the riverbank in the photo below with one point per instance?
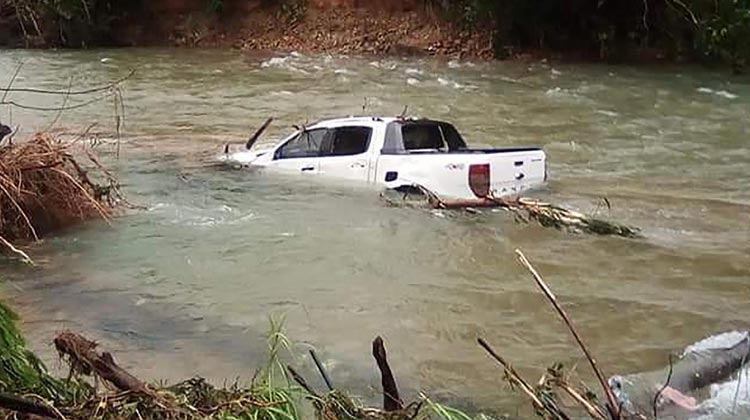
(302, 27)
(391, 28)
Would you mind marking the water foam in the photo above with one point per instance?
(275, 62)
(720, 93)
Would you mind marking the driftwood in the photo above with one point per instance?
(391, 399)
(22, 405)
(525, 209)
(85, 360)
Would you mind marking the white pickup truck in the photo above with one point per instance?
(397, 153)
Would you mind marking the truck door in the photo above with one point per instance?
(345, 153)
(300, 153)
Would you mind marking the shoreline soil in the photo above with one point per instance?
(319, 27)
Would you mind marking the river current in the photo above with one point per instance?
(185, 287)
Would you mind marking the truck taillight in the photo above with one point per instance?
(479, 179)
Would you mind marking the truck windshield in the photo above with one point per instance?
(422, 135)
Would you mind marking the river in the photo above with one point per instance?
(186, 286)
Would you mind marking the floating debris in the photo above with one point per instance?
(43, 188)
(525, 209)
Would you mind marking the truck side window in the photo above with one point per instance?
(348, 141)
(306, 144)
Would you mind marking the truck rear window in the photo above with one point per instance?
(405, 136)
(422, 136)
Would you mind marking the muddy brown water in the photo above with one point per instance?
(186, 287)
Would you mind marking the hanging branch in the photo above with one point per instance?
(65, 102)
(689, 15)
(111, 89)
(102, 88)
(10, 82)
(52, 109)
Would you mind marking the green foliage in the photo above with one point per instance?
(725, 34)
(468, 15)
(215, 6)
(274, 387)
(292, 11)
(716, 30)
(21, 371)
(75, 23)
(441, 412)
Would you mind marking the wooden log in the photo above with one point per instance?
(86, 360)
(22, 405)
(472, 202)
(391, 399)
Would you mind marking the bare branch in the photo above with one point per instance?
(103, 88)
(661, 390)
(612, 404)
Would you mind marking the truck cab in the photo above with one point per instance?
(397, 152)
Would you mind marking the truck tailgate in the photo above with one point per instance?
(465, 174)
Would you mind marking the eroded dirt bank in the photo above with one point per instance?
(334, 26)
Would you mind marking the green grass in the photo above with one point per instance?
(22, 372)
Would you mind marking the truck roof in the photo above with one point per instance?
(367, 121)
(359, 120)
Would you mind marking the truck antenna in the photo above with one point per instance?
(403, 113)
